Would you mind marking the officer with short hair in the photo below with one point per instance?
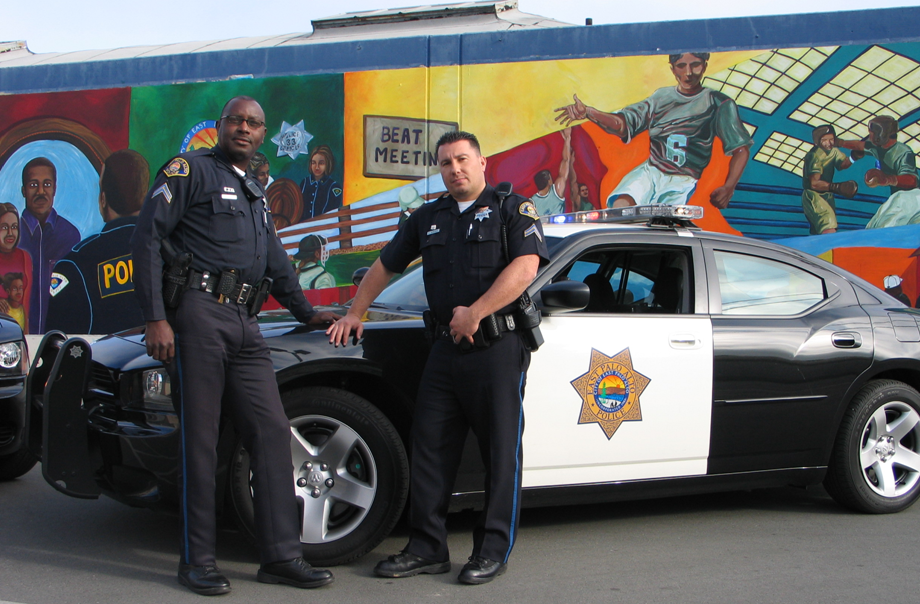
(92, 287)
(204, 204)
(472, 380)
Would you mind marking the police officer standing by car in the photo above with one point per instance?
(475, 374)
(210, 223)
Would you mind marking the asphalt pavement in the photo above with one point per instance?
(779, 545)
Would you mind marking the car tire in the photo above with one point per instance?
(875, 463)
(343, 438)
(16, 464)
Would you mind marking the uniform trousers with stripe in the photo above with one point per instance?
(480, 390)
(223, 364)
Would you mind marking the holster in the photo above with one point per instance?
(175, 278)
(431, 327)
(527, 316)
(265, 286)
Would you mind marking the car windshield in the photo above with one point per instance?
(407, 291)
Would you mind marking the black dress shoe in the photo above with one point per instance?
(296, 572)
(405, 564)
(203, 580)
(481, 570)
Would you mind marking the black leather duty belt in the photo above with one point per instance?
(503, 322)
(242, 293)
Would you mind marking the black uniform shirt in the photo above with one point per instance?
(462, 253)
(92, 287)
(320, 196)
(198, 202)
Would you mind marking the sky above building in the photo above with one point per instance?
(68, 25)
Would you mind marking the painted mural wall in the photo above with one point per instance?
(814, 148)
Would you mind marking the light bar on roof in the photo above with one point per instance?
(628, 214)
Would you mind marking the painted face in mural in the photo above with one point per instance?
(583, 191)
(16, 292)
(262, 174)
(827, 142)
(463, 170)
(318, 166)
(9, 232)
(241, 141)
(689, 70)
(38, 191)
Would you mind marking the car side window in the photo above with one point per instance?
(750, 285)
(639, 280)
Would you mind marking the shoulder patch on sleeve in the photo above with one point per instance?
(177, 167)
(58, 283)
(337, 191)
(528, 209)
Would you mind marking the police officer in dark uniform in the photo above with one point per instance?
(321, 193)
(470, 381)
(203, 203)
(92, 287)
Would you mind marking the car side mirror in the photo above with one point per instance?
(358, 275)
(564, 296)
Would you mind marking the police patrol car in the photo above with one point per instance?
(675, 361)
(15, 458)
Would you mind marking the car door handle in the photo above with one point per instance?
(846, 339)
(684, 341)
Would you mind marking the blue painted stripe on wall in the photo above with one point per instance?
(822, 29)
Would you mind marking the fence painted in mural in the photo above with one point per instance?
(784, 134)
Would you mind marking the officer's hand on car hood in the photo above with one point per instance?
(324, 318)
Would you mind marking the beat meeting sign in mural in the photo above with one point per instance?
(812, 145)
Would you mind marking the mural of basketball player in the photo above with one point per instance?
(550, 195)
(321, 193)
(682, 122)
(14, 259)
(259, 167)
(896, 168)
(818, 186)
(580, 195)
(45, 234)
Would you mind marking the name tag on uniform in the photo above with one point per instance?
(434, 229)
(227, 196)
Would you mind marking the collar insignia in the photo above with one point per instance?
(610, 391)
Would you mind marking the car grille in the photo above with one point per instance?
(102, 381)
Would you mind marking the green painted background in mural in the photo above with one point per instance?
(161, 116)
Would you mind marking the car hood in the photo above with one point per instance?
(127, 351)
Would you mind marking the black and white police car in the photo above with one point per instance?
(675, 361)
(15, 458)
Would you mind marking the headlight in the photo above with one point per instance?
(157, 390)
(11, 355)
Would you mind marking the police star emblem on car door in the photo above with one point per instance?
(610, 391)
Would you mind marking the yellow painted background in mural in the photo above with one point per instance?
(506, 104)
